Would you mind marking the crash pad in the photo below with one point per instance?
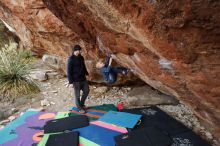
(60, 115)
(99, 135)
(148, 136)
(188, 138)
(63, 124)
(110, 126)
(82, 141)
(153, 116)
(94, 112)
(104, 107)
(121, 119)
(9, 132)
(63, 139)
(90, 117)
(26, 129)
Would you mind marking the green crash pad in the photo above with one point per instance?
(82, 141)
(94, 112)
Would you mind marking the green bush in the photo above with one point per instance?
(14, 73)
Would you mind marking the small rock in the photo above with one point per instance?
(52, 103)
(115, 88)
(208, 135)
(44, 102)
(11, 118)
(14, 110)
(39, 109)
(55, 91)
(44, 93)
(4, 122)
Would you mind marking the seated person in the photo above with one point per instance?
(109, 72)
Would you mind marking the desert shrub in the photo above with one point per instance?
(14, 73)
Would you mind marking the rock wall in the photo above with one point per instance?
(171, 45)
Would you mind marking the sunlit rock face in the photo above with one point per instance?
(174, 46)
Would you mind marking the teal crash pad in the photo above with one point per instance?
(121, 119)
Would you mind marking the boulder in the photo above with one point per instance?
(54, 75)
(39, 75)
(43, 75)
(52, 61)
(145, 95)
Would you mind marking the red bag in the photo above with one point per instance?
(120, 106)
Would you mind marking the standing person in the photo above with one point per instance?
(110, 72)
(76, 73)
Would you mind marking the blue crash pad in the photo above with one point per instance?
(98, 135)
(121, 119)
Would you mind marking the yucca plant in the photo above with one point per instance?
(14, 73)
(26, 54)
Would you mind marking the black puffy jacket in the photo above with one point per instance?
(76, 69)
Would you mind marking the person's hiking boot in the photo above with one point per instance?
(82, 111)
(84, 107)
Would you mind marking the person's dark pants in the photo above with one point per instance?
(78, 86)
(113, 73)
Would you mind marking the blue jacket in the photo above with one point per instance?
(106, 72)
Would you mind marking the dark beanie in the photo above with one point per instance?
(76, 47)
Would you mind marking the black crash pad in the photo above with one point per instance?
(155, 117)
(148, 136)
(65, 124)
(63, 139)
(188, 138)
